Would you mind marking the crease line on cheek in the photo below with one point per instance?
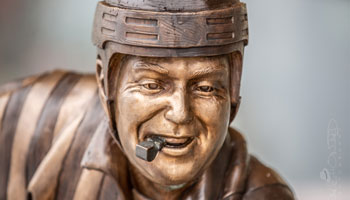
(147, 118)
(202, 123)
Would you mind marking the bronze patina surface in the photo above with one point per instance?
(153, 123)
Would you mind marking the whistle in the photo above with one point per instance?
(148, 150)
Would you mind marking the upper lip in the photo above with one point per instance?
(177, 133)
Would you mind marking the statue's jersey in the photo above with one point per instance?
(55, 144)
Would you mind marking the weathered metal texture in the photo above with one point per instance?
(171, 34)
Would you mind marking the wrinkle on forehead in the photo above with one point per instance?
(170, 60)
(150, 66)
(192, 66)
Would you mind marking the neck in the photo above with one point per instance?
(148, 189)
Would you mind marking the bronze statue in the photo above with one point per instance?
(168, 76)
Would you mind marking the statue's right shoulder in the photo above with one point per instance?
(43, 95)
(34, 112)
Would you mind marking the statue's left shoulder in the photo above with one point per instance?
(264, 183)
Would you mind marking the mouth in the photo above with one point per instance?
(175, 146)
(174, 142)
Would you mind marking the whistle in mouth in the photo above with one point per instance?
(148, 150)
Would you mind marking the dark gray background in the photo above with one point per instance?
(295, 88)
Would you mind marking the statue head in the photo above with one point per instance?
(171, 70)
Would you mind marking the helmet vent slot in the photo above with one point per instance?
(142, 22)
(214, 21)
(109, 17)
(217, 36)
(140, 36)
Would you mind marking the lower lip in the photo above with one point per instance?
(178, 151)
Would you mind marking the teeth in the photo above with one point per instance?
(172, 142)
(176, 140)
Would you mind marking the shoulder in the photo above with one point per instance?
(249, 178)
(29, 81)
(34, 113)
(32, 96)
(47, 80)
(43, 104)
(264, 183)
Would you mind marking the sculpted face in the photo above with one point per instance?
(184, 100)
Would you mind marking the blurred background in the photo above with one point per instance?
(295, 110)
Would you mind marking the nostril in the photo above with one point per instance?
(179, 117)
(29, 196)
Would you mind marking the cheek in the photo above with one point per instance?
(135, 107)
(214, 113)
(132, 110)
(214, 116)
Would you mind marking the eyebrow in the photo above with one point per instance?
(150, 66)
(208, 71)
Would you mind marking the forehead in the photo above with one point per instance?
(190, 66)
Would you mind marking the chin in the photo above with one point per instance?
(175, 172)
(175, 177)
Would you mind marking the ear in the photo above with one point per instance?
(235, 81)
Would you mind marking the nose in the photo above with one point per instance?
(179, 111)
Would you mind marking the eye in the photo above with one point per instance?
(205, 88)
(152, 86)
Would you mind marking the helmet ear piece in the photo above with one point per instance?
(100, 76)
(236, 63)
(107, 77)
(108, 104)
(234, 109)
